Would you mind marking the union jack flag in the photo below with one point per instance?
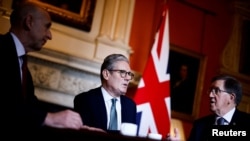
(153, 93)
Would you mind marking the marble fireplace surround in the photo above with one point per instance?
(58, 77)
(70, 62)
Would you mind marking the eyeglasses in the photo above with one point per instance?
(124, 74)
(216, 91)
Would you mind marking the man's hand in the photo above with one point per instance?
(64, 119)
(93, 129)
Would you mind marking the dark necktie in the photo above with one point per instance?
(220, 121)
(113, 116)
(24, 74)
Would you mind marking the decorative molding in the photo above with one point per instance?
(58, 78)
(231, 53)
(109, 33)
(230, 58)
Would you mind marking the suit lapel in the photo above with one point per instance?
(14, 76)
(100, 108)
(234, 120)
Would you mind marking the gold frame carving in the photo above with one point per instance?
(196, 66)
(81, 19)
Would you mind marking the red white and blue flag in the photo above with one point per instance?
(153, 93)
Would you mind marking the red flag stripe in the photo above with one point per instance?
(153, 94)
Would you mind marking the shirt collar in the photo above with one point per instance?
(19, 46)
(107, 96)
(229, 115)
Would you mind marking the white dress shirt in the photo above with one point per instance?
(19, 49)
(108, 103)
(228, 117)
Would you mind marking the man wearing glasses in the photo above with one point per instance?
(225, 94)
(96, 105)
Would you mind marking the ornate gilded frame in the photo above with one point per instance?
(77, 15)
(196, 66)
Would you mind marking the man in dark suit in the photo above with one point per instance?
(225, 94)
(21, 112)
(94, 105)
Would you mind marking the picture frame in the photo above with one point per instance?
(185, 93)
(78, 14)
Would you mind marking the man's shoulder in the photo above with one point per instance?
(5, 37)
(89, 93)
(242, 113)
(127, 100)
(241, 118)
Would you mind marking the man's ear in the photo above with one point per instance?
(233, 96)
(105, 74)
(27, 22)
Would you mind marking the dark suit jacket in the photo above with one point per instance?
(18, 112)
(92, 108)
(201, 130)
